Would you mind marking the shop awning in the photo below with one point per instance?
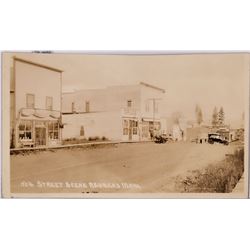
(39, 114)
(32, 117)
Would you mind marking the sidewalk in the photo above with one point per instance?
(86, 144)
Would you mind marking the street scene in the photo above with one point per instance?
(96, 124)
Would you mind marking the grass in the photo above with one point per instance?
(216, 178)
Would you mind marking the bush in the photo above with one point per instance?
(83, 140)
(94, 138)
(218, 178)
(73, 141)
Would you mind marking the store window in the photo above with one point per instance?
(157, 126)
(53, 130)
(135, 127)
(125, 127)
(30, 100)
(151, 125)
(145, 129)
(25, 130)
(49, 102)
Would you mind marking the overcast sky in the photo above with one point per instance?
(208, 80)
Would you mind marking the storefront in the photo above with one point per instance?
(149, 129)
(34, 133)
(38, 128)
(130, 129)
(133, 130)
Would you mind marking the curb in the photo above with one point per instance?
(13, 150)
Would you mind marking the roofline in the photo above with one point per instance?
(153, 87)
(37, 64)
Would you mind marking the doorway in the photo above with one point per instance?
(130, 130)
(40, 136)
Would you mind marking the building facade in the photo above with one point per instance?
(35, 104)
(127, 113)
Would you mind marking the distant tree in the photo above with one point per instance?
(215, 117)
(200, 117)
(197, 108)
(221, 117)
(198, 114)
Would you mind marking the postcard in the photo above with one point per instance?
(125, 125)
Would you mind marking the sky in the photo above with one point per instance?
(207, 80)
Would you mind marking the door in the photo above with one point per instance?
(40, 136)
(130, 130)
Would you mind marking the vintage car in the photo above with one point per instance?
(217, 138)
(163, 138)
(160, 138)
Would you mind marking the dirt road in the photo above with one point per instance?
(140, 167)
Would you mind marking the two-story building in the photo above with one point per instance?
(126, 112)
(35, 104)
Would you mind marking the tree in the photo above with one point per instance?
(215, 117)
(198, 114)
(221, 117)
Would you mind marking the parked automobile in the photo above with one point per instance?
(160, 138)
(215, 137)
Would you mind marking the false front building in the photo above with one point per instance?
(35, 104)
(126, 113)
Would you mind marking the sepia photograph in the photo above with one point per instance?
(125, 124)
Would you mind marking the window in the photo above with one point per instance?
(134, 126)
(82, 131)
(25, 130)
(151, 125)
(157, 126)
(125, 127)
(129, 103)
(130, 125)
(73, 107)
(30, 101)
(87, 107)
(53, 129)
(145, 129)
(49, 102)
